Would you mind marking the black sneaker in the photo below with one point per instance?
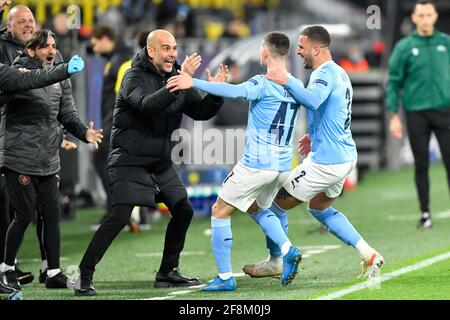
(42, 275)
(174, 279)
(425, 221)
(24, 277)
(6, 289)
(84, 287)
(9, 279)
(59, 281)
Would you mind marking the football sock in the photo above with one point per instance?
(225, 276)
(338, 224)
(221, 242)
(6, 267)
(53, 272)
(271, 226)
(44, 265)
(275, 258)
(364, 250)
(274, 249)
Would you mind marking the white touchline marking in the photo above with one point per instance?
(175, 293)
(408, 217)
(157, 298)
(378, 280)
(159, 254)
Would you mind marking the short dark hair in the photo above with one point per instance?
(317, 34)
(104, 31)
(422, 2)
(278, 43)
(39, 39)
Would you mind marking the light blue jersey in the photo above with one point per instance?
(328, 99)
(271, 120)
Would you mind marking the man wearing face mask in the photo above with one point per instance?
(140, 167)
(29, 158)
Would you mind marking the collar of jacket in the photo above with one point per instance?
(7, 37)
(416, 34)
(24, 61)
(142, 61)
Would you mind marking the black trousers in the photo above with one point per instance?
(420, 125)
(100, 159)
(7, 215)
(146, 189)
(28, 194)
(4, 216)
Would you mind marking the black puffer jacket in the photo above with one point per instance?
(30, 137)
(146, 114)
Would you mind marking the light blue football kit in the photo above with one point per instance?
(328, 100)
(268, 147)
(271, 120)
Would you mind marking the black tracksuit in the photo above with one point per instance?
(10, 49)
(140, 168)
(29, 156)
(12, 80)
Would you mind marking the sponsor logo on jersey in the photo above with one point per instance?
(441, 48)
(321, 82)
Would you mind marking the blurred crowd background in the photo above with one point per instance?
(230, 31)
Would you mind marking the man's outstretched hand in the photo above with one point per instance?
(94, 136)
(304, 145)
(221, 76)
(191, 64)
(180, 82)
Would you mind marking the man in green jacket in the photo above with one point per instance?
(419, 75)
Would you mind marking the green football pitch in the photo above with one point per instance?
(383, 208)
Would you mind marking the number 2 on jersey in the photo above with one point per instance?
(349, 109)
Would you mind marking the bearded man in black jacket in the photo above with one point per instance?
(15, 80)
(20, 26)
(140, 167)
(30, 138)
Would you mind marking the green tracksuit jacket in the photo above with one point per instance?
(419, 73)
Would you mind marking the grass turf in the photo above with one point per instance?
(384, 209)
